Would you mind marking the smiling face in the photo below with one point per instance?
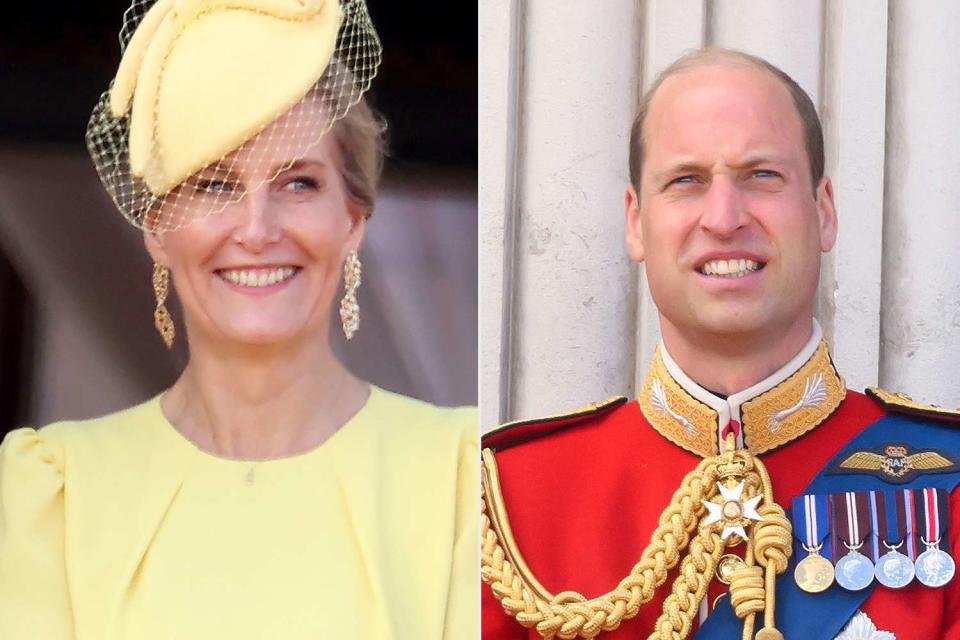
(265, 269)
(727, 221)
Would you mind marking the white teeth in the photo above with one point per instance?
(729, 268)
(256, 278)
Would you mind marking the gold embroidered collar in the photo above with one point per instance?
(771, 413)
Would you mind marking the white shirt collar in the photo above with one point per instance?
(729, 408)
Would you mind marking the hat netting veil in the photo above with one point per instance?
(205, 86)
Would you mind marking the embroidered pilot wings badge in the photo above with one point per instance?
(895, 463)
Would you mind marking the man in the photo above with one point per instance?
(744, 451)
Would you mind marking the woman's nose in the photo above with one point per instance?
(257, 220)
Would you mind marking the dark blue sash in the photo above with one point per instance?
(822, 616)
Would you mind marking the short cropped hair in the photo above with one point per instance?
(711, 56)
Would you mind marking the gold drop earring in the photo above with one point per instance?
(349, 308)
(162, 319)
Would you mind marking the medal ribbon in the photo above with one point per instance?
(851, 520)
(931, 507)
(874, 505)
(811, 515)
(892, 518)
(910, 517)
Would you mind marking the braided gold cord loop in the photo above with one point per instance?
(772, 537)
(689, 588)
(747, 593)
(569, 614)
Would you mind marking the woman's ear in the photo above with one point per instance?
(154, 244)
(358, 226)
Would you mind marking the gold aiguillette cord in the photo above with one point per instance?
(682, 526)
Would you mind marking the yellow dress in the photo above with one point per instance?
(120, 528)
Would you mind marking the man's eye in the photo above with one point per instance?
(684, 180)
(765, 173)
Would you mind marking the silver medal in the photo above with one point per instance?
(934, 567)
(855, 571)
(894, 570)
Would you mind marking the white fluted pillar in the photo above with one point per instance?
(921, 282)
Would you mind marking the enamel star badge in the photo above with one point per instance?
(731, 510)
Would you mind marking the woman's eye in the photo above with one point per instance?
(302, 183)
(215, 186)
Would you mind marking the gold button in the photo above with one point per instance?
(726, 566)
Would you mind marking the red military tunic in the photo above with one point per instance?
(584, 492)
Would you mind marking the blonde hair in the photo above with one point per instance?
(361, 141)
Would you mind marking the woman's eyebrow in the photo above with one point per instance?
(299, 165)
(217, 173)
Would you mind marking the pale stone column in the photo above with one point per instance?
(853, 112)
(573, 316)
(499, 40)
(921, 281)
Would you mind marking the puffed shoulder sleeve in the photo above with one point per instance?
(463, 611)
(34, 599)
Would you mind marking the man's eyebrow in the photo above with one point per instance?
(679, 168)
(755, 160)
(689, 166)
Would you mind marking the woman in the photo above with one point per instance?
(269, 493)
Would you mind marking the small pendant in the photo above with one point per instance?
(894, 570)
(855, 571)
(814, 573)
(935, 568)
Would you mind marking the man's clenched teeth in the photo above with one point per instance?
(729, 268)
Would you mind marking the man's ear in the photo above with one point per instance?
(634, 228)
(154, 244)
(826, 215)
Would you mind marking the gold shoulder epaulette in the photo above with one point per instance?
(904, 404)
(514, 432)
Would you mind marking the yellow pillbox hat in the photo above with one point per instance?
(199, 78)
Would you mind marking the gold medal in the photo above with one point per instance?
(814, 573)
